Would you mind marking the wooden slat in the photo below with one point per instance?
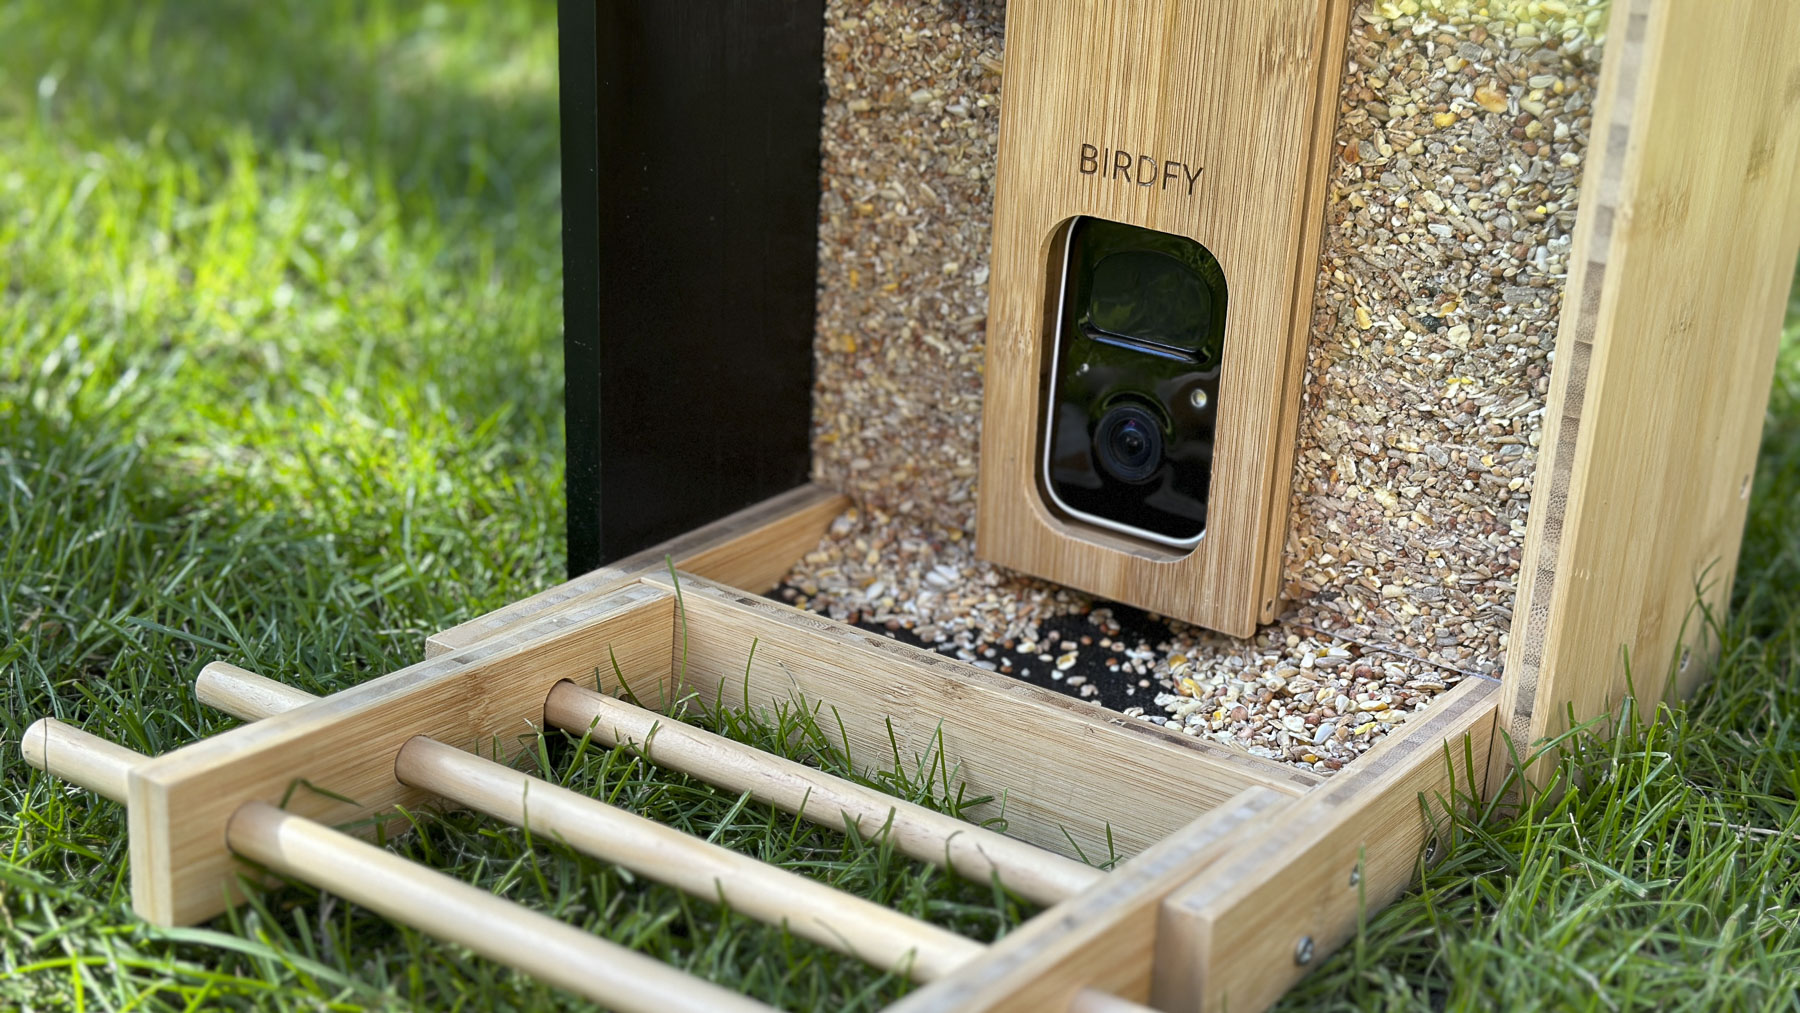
(1065, 774)
(1102, 938)
(1684, 251)
(345, 744)
(1234, 92)
(753, 548)
(1229, 939)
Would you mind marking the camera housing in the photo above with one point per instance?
(1132, 394)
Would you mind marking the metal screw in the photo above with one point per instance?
(1198, 398)
(1356, 875)
(1303, 951)
(1430, 850)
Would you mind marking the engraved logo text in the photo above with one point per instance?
(1137, 168)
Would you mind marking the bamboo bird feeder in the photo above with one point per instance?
(1106, 940)
(1239, 871)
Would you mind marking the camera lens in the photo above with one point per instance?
(1128, 442)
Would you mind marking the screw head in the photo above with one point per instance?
(1431, 850)
(1303, 951)
(1198, 397)
(1356, 876)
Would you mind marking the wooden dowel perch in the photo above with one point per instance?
(918, 832)
(874, 934)
(846, 923)
(78, 758)
(244, 694)
(1092, 1000)
(450, 909)
(559, 954)
(404, 891)
(868, 931)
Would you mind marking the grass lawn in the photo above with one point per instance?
(280, 384)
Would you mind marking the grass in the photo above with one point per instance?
(279, 383)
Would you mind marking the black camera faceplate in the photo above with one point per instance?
(1096, 370)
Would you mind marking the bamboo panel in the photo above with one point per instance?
(1243, 931)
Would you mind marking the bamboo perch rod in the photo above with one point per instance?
(1092, 1000)
(407, 892)
(500, 930)
(918, 832)
(242, 693)
(250, 696)
(868, 931)
(1038, 875)
(78, 758)
(452, 910)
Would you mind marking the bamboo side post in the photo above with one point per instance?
(863, 929)
(407, 892)
(918, 832)
(849, 924)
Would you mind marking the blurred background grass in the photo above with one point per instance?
(280, 383)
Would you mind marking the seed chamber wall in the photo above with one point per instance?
(1451, 202)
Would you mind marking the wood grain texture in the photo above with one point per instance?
(1227, 940)
(1333, 28)
(1065, 774)
(1683, 255)
(1102, 938)
(484, 696)
(1235, 88)
(752, 548)
(449, 909)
